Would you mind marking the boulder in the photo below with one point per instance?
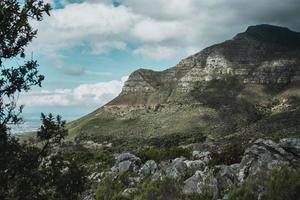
(261, 157)
(126, 162)
(177, 168)
(126, 156)
(226, 179)
(191, 184)
(217, 181)
(200, 182)
(149, 168)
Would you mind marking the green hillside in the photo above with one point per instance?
(241, 88)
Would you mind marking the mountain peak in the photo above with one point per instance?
(274, 34)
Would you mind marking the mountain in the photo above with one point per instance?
(242, 88)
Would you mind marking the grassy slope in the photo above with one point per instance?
(219, 111)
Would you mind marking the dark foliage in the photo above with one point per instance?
(175, 139)
(163, 153)
(228, 155)
(29, 171)
(282, 183)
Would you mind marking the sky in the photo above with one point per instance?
(87, 48)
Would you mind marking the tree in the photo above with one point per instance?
(39, 173)
(15, 34)
(24, 170)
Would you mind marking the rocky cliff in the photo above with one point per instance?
(242, 87)
(263, 54)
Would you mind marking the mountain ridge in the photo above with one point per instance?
(217, 56)
(225, 89)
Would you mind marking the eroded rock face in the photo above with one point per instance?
(250, 56)
(261, 158)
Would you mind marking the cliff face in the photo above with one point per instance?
(263, 54)
(244, 86)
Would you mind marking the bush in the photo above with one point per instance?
(85, 157)
(164, 189)
(247, 191)
(203, 196)
(163, 154)
(283, 184)
(112, 188)
(228, 155)
(192, 135)
(108, 189)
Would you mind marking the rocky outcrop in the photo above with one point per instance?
(257, 162)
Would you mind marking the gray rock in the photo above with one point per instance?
(126, 162)
(200, 182)
(129, 192)
(217, 181)
(95, 177)
(149, 168)
(291, 145)
(177, 168)
(125, 166)
(194, 164)
(262, 157)
(127, 156)
(202, 155)
(226, 178)
(191, 184)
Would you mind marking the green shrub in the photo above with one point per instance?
(112, 188)
(203, 196)
(278, 136)
(164, 189)
(108, 189)
(85, 157)
(283, 184)
(247, 191)
(192, 135)
(163, 154)
(228, 155)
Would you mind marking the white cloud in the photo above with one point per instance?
(157, 24)
(158, 9)
(149, 30)
(102, 27)
(95, 24)
(156, 52)
(85, 94)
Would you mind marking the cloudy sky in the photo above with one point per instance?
(87, 48)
